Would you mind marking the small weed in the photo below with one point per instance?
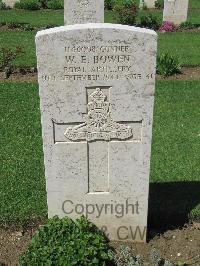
(168, 65)
(125, 258)
(7, 56)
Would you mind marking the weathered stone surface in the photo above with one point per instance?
(97, 86)
(147, 3)
(10, 3)
(175, 11)
(84, 11)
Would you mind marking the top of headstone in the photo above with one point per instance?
(84, 11)
(95, 26)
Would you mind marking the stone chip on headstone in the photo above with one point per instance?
(175, 11)
(96, 84)
(83, 11)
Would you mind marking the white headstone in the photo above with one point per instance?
(147, 3)
(175, 11)
(84, 11)
(10, 3)
(96, 84)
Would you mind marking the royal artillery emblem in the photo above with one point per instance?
(98, 123)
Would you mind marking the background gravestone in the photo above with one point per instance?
(84, 11)
(175, 11)
(10, 3)
(147, 3)
(97, 92)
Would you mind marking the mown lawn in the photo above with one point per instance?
(194, 4)
(175, 154)
(40, 18)
(37, 18)
(175, 168)
(22, 184)
(26, 40)
(183, 44)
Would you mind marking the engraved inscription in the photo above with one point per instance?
(95, 63)
(82, 16)
(98, 125)
(84, 12)
(83, 2)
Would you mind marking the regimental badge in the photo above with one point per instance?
(98, 123)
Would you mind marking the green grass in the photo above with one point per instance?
(194, 3)
(22, 184)
(175, 154)
(13, 39)
(194, 17)
(40, 18)
(176, 144)
(36, 18)
(184, 44)
(175, 168)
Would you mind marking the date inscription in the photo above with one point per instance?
(93, 63)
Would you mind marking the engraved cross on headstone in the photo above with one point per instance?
(97, 131)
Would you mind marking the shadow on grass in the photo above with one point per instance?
(170, 204)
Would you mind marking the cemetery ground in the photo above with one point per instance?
(21, 27)
(174, 202)
(174, 188)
